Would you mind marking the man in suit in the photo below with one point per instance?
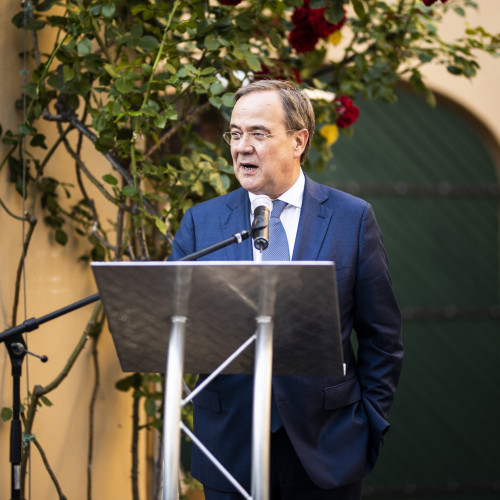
(330, 428)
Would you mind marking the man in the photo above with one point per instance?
(331, 427)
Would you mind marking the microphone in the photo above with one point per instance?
(261, 207)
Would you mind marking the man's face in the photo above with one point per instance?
(272, 166)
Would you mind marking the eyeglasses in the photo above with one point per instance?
(233, 138)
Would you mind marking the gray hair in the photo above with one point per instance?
(299, 112)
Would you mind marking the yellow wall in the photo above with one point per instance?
(479, 95)
(55, 279)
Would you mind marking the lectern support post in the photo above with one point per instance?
(172, 408)
(262, 408)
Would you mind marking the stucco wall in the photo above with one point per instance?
(479, 95)
(54, 279)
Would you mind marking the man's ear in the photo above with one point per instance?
(301, 137)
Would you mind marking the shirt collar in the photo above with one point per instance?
(293, 196)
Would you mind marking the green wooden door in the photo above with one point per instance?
(432, 182)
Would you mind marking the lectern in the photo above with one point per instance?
(259, 318)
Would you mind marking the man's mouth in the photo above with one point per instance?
(248, 166)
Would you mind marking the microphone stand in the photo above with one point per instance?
(17, 350)
(235, 238)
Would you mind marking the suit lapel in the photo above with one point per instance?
(234, 219)
(315, 217)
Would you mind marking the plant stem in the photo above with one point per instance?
(95, 320)
(135, 442)
(93, 399)
(49, 469)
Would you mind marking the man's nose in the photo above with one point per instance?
(244, 144)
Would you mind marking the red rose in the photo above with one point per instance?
(303, 38)
(321, 26)
(348, 112)
(230, 2)
(300, 15)
(310, 26)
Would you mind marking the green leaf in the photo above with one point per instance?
(130, 191)
(108, 10)
(46, 401)
(6, 414)
(68, 73)
(215, 101)
(425, 57)
(148, 43)
(171, 113)
(244, 22)
(186, 163)
(105, 143)
(126, 383)
(124, 85)
(211, 43)
(170, 67)
(146, 69)
(62, 239)
(151, 108)
(31, 88)
(55, 82)
(150, 407)
(95, 9)
(37, 141)
(207, 71)
(110, 179)
(275, 38)
(160, 121)
(161, 225)
(220, 182)
(228, 99)
(359, 8)
(454, 70)
(334, 11)
(216, 88)
(25, 129)
(253, 62)
(111, 71)
(84, 47)
(44, 6)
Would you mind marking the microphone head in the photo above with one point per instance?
(262, 201)
(262, 207)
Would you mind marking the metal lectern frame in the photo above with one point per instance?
(217, 310)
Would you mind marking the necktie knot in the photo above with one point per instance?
(278, 207)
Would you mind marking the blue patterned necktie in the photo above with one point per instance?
(278, 243)
(276, 250)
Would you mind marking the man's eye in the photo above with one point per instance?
(235, 136)
(260, 136)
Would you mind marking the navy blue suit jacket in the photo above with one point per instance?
(336, 424)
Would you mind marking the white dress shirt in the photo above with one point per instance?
(290, 216)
